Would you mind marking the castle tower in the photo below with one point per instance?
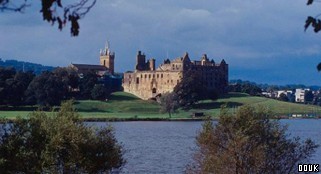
(152, 64)
(140, 61)
(204, 60)
(107, 58)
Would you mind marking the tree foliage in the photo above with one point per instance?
(249, 88)
(283, 97)
(314, 22)
(50, 88)
(13, 85)
(99, 92)
(190, 89)
(47, 89)
(308, 96)
(169, 103)
(87, 83)
(57, 144)
(53, 11)
(248, 142)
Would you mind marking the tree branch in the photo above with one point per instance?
(7, 5)
(50, 11)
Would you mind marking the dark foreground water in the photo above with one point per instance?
(167, 147)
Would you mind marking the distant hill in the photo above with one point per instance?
(25, 66)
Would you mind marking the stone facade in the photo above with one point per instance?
(107, 58)
(147, 82)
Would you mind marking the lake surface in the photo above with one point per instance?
(167, 147)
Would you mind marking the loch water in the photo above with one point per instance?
(168, 146)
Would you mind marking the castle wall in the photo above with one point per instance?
(148, 84)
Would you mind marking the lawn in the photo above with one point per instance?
(234, 100)
(123, 105)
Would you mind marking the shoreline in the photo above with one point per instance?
(140, 119)
(10, 120)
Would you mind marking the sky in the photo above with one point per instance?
(262, 41)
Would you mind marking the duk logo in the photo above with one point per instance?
(308, 168)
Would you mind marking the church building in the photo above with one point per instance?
(106, 60)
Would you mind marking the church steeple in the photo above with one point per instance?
(107, 58)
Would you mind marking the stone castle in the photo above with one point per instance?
(147, 82)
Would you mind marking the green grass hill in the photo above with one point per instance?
(123, 105)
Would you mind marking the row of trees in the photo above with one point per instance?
(48, 88)
(248, 88)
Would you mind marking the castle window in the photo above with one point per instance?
(149, 76)
(137, 80)
(157, 75)
(141, 76)
(153, 75)
(172, 81)
(145, 76)
(161, 75)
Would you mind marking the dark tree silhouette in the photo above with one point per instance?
(50, 11)
(189, 90)
(315, 23)
(9, 5)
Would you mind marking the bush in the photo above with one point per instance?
(57, 144)
(248, 142)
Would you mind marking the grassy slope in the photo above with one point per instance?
(124, 105)
(128, 106)
(234, 100)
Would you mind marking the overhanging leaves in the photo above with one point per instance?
(310, 2)
(319, 67)
(310, 21)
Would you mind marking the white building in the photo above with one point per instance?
(288, 93)
(300, 95)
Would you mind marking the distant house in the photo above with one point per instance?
(288, 93)
(300, 95)
(271, 94)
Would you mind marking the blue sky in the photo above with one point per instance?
(262, 41)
